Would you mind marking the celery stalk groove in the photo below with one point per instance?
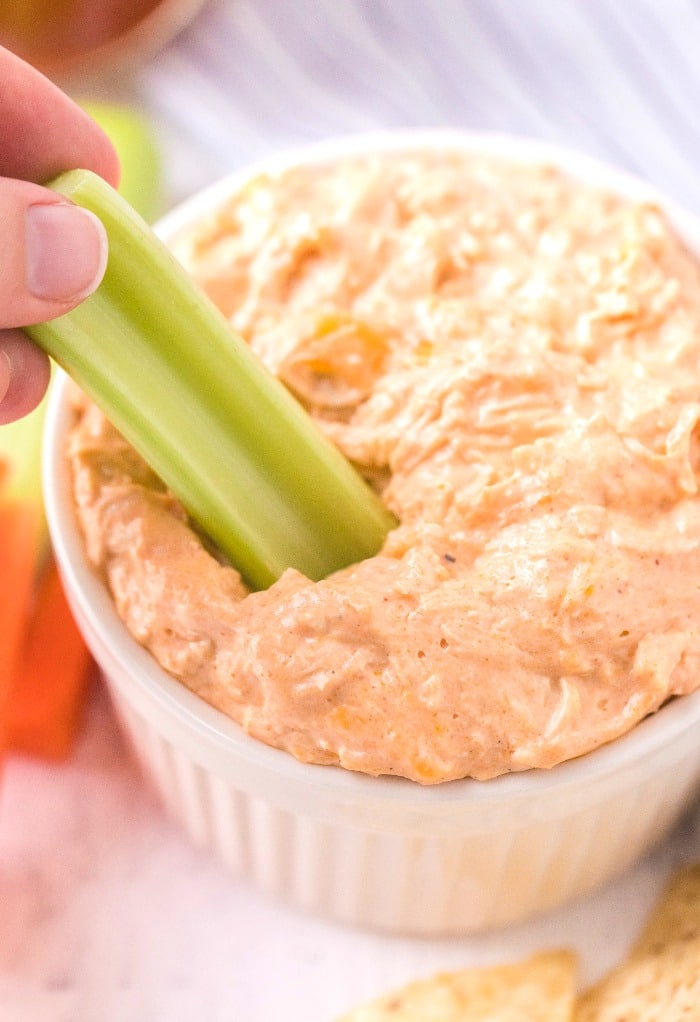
(218, 428)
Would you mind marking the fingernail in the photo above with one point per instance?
(5, 374)
(66, 251)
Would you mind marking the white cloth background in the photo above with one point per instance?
(616, 80)
(107, 914)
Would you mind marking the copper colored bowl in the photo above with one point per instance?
(83, 38)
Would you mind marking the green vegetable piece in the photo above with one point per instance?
(20, 448)
(134, 139)
(217, 427)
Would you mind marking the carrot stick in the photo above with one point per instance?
(43, 659)
(20, 531)
(52, 675)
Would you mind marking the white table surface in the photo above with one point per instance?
(107, 913)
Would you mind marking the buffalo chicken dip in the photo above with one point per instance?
(512, 359)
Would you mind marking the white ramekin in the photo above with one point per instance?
(383, 853)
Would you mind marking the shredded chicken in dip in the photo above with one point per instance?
(513, 359)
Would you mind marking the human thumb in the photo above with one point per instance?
(52, 253)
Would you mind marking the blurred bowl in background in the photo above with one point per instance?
(83, 39)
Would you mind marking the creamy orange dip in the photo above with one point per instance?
(513, 359)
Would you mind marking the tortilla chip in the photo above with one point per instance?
(660, 980)
(676, 916)
(539, 989)
(654, 988)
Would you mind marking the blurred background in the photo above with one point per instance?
(224, 81)
(106, 912)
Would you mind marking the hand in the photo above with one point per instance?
(52, 253)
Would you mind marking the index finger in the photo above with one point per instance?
(43, 132)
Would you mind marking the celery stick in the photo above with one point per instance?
(20, 451)
(132, 136)
(222, 433)
(20, 448)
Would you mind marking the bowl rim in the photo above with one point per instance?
(523, 149)
(93, 605)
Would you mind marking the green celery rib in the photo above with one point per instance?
(220, 430)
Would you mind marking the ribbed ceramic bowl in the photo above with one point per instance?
(382, 853)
